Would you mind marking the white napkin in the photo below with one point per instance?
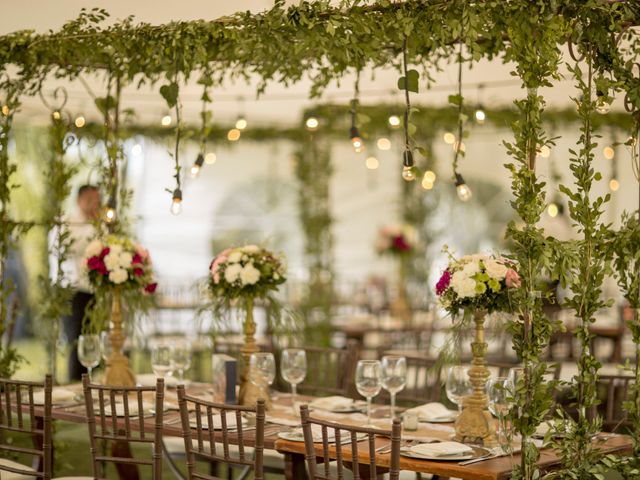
(432, 411)
(58, 396)
(333, 403)
(441, 449)
(149, 380)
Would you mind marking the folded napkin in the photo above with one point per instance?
(333, 403)
(58, 396)
(441, 449)
(433, 411)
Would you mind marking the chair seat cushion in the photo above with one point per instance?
(271, 458)
(5, 462)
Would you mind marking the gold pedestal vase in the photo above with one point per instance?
(400, 307)
(249, 392)
(118, 373)
(475, 424)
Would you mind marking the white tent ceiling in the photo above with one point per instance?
(280, 105)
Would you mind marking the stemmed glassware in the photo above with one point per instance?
(161, 360)
(369, 382)
(180, 358)
(293, 369)
(458, 384)
(89, 352)
(394, 377)
(498, 395)
(262, 369)
(105, 345)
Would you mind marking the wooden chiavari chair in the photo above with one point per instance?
(15, 396)
(351, 434)
(613, 391)
(206, 447)
(105, 425)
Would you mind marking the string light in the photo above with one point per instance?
(356, 140)
(210, 158)
(408, 172)
(372, 163)
(197, 166)
(545, 151)
(553, 210)
(383, 143)
(430, 176)
(233, 135)
(56, 115)
(394, 121)
(449, 138)
(176, 202)
(166, 121)
(241, 123)
(110, 211)
(463, 190)
(6, 110)
(609, 153)
(480, 115)
(80, 121)
(614, 185)
(312, 123)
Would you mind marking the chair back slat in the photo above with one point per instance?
(353, 434)
(17, 396)
(196, 447)
(119, 425)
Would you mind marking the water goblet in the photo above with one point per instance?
(294, 369)
(458, 384)
(105, 345)
(89, 352)
(262, 369)
(369, 382)
(499, 403)
(161, 360)
(394, 377)
(180, 358)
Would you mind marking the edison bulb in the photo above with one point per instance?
(312, 123)
(480, 116)
(80, 121)
(166, 121)
(552, 210)
(614, 185)
(56, 115)
(372, 163)
(241, 123)
(609, 153)
(394, 121)
(233, 135)
(109, 215)
(449, 138)
(430, 176)
(358, 144)
(464, 192)
(426, 184)
(195, 170)
(210, 158)
(408, 174)
(602, 106)
(176, 206)
(5, 110)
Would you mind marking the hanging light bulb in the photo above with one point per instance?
(6, 110)
(609, 153)
(383, 143)
(408, 172)
(553, 210)
(394, 121)
(312, 123)
(356, 140)
(197, 166)
(372, 163)
(464, 192)
(210, 158)
(233, 135)
(176, 202)
(614, 185)
(480, 115)
(603, 106)
(56, 115)
(166, 121)
(449, 138)
(241, 123)
(110, 211)
(430, 176)
(80, 121)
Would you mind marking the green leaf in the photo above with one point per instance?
(410, 82)
(170, 93)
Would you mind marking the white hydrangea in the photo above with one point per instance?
(232, 272)
(93, 249)
(119, 275)
(234, 257)
(463, 285)
(471, 268)
(251, 249)
(125, 259)
(116, 249)
(112, 261)
(249, 275)
(495, 269)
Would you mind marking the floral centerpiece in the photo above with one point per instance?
(117, 267)
(478, 284)
(398, 241)
(243, 274)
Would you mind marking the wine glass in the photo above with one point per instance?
(458, 384)
(369, 382)
(180, 358)
(89, 352)
(105, 345)
(394, 377)
(294, 369)
(262, 369)
(161, 360)
(498, 395)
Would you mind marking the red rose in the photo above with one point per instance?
(105, 252)
(138, 272)
(137, 259)
(151, 288)
(399, 243)
(96, 264)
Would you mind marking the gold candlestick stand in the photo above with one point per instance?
(118, 373)
(250, 393)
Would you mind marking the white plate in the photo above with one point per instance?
(450, 419)
(477, 452)
(296, 435)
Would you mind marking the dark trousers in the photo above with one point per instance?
(73, 329)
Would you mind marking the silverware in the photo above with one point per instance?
(486, 456)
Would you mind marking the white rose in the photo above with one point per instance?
(125, 259)
(235, 257)
(119, 275)
(471, 268)
(232, 272)
(112, 261)
(495, 269)
(251, 249)
(93, 249)
(249, 275)
(115, 248)
(463, 285)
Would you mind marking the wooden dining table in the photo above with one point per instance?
(281, 417)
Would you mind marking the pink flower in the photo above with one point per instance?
(221, 258)
(511, 278)
(151, 288)
(216, 277)
(443, 283)
(142, 252)
(401, 244)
